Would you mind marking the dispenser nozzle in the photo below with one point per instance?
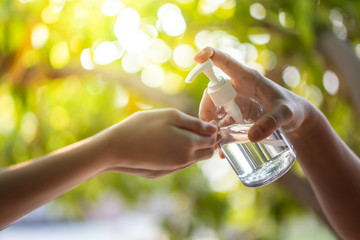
(207, 68)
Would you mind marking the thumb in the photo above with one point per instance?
(270, 122)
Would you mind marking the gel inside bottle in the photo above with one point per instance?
(256, 164)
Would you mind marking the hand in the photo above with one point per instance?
(158, 142)
(282, 108)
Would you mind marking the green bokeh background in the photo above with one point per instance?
(48, 101)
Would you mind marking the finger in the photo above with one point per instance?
(201, 142)
(270, 122)
(203, 154)
(221, 155)
(207, 110)
(195, 125)
(148, 173)
(233, 68)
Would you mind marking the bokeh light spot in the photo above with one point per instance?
(357, 50)
(39, 36)
(121, 97)
(201, 39)
(291, 76)
(331, 82)
(127, 31)
(258, 35)
(49, 16)
(183, 56)
(173, 83)
(152, 76)
(185, 1)
(29, 125)
(7, 114)
(286, 19)
(171, 20)
(59, 55)
(86, 59)
(314, 95)
(105, 53)
(132, 63)
(268, 59)
(258, 11)
(159, 51)
(209, 6)
(112, 7)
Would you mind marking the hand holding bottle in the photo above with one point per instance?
(283, 108)
(331, 167)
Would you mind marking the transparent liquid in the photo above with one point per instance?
(260, 163)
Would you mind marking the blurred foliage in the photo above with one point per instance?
(55, 90)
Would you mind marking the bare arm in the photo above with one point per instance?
(148, 144)
(333, 171)
(331, 167)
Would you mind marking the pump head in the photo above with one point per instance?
(207, 68)
(220, 90)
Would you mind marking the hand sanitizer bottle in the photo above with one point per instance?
(256, 163)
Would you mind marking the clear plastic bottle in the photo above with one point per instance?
(255, 163)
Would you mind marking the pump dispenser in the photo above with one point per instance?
(220, 90)
(256, 164)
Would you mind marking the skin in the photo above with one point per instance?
(149, 144)
(332, 169)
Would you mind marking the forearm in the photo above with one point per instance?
(26, 186)
(333, 171)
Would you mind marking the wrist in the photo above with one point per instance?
(110, 150)
(312, 118)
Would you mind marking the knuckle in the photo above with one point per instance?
(209, 153)
(286, 111)
(173, 113)
(273, 120)
(213, 140)
(185, 159)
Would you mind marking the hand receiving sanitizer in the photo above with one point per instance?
(256, 164)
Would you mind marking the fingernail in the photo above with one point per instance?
(256, 133)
